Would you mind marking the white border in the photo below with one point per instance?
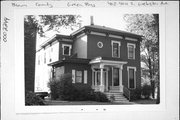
(19, 67)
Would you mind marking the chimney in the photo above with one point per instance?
(92, 21)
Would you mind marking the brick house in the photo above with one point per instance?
(107, 59)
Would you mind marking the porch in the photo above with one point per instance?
(107, 75)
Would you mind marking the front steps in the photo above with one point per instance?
(117, 97)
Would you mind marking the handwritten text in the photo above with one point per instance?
(44, 5)
(18, 5)
(5, 28)
(84, 4)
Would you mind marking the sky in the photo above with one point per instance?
(101, 16)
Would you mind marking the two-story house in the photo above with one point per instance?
(107, 59)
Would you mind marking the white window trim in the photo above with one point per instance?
(85, 76)
(70, 46)
(130, 67)
(119, 43)
(134, 45)
(100, 44)
(73, 75)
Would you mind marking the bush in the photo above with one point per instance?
(146, 91)
(99, 96)
(136, 94)
(32, 99)
(81, 92)
(62, 87)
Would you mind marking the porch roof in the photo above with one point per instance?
(70, 60)
(107, 61)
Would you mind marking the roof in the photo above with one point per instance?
(105, 29)
(107, 59)
(70, 60)
(50, 40)
(96, 28)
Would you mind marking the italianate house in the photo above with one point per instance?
(104, 58)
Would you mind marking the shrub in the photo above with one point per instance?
(64, 89)
(99, 96)
(32, 99)
(146, 91)
(81, 92)
(112, 98)
(60, 87)
(136, 94)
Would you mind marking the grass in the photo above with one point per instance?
(145, 101)
(60, 102)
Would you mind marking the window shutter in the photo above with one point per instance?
(73, 76)
(85, 76)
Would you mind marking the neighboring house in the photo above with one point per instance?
(107, 59)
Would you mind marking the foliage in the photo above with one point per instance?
(81, 92)
(60, 87)
(32, 99)
(136, 94)
(99, 96)
(146, 91)
(112, 98)
(44, 23)
(147, 25)
(64, 89)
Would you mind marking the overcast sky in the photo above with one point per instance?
(101, 16)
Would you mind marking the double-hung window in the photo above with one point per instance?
(78, 77)
(131, 50)
(115, 48)
(66, 49)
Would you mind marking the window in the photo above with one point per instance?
(131, 50)
(66, 49)
(131, 77)
(115, 49)
(78, 76)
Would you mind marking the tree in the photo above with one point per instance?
(147, 25)
(41, 24)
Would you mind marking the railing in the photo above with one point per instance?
(127, 92)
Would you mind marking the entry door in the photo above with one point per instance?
(115, 78)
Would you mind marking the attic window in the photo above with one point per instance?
(66, 49)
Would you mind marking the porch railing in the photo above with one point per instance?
(127, 93)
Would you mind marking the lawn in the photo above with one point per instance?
(145, 101)
(60, 102)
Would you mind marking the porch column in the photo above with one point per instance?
(92, 78)
(107, 79)
(101, 78)
(120, 79)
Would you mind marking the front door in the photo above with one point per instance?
(115, 79)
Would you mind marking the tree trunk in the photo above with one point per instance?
(151, 76)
